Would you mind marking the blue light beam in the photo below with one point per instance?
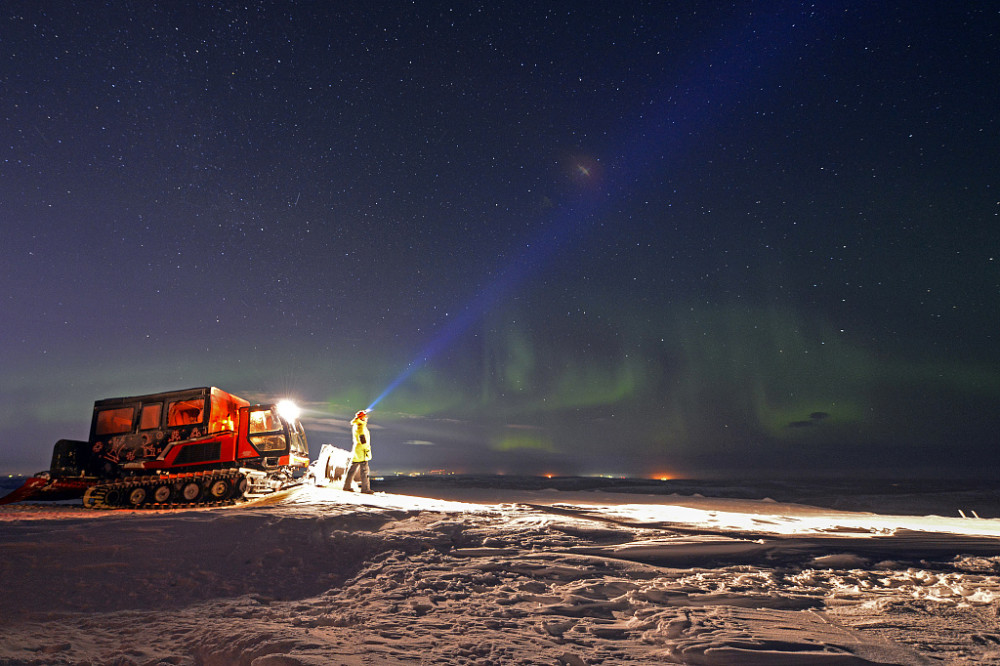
(707, 92)
(529, 262)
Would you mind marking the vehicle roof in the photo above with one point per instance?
(165, 395)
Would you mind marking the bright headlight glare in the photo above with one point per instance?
(288, 410)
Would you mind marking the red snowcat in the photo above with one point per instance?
(195, 447)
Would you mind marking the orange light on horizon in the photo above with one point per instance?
(663, 476)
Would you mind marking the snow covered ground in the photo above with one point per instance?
(489, 572)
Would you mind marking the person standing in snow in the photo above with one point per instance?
(362, 453)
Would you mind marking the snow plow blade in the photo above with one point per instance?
(331, 465)
(45, 488)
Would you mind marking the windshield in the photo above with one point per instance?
(299, 444)
(267, 431)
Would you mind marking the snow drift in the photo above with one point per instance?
(496, 576)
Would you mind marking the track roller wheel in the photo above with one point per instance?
(161, 494)
(136, 496)
(219, 490)
(191, 491)
(113, 497)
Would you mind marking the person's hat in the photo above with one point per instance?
(361, 415)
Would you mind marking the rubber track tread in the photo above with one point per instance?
(97, 496)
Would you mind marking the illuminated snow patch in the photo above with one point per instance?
(332, 496)
(800, 523)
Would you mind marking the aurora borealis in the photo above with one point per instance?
(680, 238)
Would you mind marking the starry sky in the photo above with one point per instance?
(665, 238)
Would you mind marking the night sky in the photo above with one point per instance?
(634, 238)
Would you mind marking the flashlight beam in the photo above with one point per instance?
(709, 92)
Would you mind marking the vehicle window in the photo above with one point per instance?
(223, 414)
(269, 442)
(298, 438)
(114, 421)
(266, 432)
(150, 417)
(264, 421)
(186, 412)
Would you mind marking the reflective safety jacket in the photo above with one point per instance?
(362, 440)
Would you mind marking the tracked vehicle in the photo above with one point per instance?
(194, 447)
